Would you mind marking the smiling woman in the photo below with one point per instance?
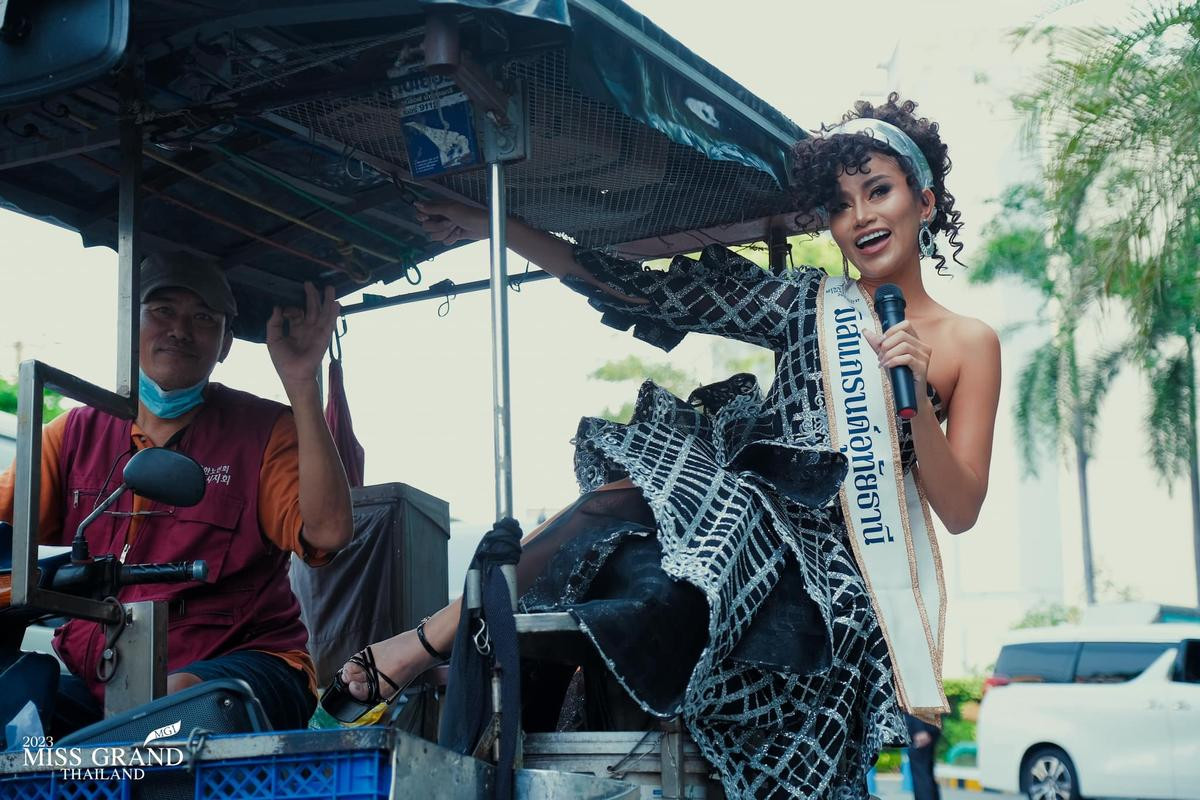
(850, 149)
(741, 560)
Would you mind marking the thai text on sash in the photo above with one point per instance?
(866, 467)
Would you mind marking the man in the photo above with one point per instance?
(921, 757)
(275, 485)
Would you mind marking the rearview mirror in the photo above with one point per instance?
(166, 476)
(48, 46)
(1187, 661)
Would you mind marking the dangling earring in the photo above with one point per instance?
(845, 266)
(925, 240)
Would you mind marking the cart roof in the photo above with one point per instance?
(635, 142)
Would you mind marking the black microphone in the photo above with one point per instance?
(889, 305)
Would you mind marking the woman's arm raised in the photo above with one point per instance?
(449, 222)
(720, 293)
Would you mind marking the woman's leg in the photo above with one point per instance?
(402, 657)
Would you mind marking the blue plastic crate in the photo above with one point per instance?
(347, 775)
(352, 774)
(51, 786)
(26, 787)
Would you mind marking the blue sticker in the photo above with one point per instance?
(439, 126)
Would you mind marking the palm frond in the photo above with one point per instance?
(1038, 422)
(1116, 111)
(1168, 427)
(1096, 382)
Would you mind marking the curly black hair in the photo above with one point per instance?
(817, 162)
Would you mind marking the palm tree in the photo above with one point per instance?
(1117, 110)
(1057, 403)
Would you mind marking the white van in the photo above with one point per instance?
(1101, 711)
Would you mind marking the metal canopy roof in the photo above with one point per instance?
(274, 138)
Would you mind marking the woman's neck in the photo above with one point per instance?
(916, 299)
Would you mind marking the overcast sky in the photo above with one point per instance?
(420, 386)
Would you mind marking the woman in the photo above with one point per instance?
(735, 576)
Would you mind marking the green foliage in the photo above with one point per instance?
(1114, 111)
(632, 368)
(1108, 590)
(1036, 410)
(1168, 427)
(963, 690)
(954, 731)
(732, 358)
(51, 405)
(1117, 107)
(805, 250)
(820, 252)
(1015, 245)
(888, 761)
(1058, 400)
(960, 692)
(1048, 615)
(1019, 253)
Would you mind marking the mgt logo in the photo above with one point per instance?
(109, 762)
(165, 732)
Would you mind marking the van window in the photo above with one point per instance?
(1116, 662)
(1043, 662)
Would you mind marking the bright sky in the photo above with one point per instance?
(420, 386)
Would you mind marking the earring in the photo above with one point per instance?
(925, 240)
(845, 265)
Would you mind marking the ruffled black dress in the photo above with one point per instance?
(725, 590)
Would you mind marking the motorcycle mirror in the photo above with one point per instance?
(165, 476)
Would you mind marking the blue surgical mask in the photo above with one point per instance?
(169, 404)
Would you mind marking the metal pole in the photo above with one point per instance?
(502, 422)
(128, 257)
(442, 291)
(28, 487)
(777, 257)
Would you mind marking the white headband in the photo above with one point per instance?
(896, 140)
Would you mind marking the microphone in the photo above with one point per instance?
(889, 305)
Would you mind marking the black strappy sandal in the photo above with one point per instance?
(345, 707)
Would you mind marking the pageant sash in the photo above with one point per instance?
(887, 516)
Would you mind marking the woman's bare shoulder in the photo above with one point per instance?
(974, 350)
(972, 331)
(964, 342)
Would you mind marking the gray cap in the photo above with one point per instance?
(186, 271)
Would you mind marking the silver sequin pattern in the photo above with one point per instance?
(769, 734)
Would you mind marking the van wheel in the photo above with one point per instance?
(1049, 774)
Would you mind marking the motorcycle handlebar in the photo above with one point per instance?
(178, 572)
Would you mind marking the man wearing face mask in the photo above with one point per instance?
(275, 485)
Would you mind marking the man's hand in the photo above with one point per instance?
(325, 508)
(922, 739)
(449, 222)
(297, 353)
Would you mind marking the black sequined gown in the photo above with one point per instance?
(726, 590)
